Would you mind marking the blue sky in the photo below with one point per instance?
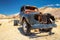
(9, 7)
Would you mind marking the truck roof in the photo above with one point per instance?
(28, 7)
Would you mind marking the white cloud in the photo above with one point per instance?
(57, 4)
(15, 14)
(53, 5)
(50, 5)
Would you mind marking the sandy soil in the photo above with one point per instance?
(10, 32)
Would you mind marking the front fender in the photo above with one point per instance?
(30, 19)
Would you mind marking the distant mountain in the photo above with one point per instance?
(2, 16)
(51, 10)
(15, 15)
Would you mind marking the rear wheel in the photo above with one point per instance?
(46, 30)
(50, 32)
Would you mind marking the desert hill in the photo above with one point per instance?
(2, 16)
(53, 11)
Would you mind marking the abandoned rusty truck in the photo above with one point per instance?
(31, 18)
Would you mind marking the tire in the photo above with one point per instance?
(25, 28)
(46, 30)
(50, 32)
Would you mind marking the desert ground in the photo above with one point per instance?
(10, 32)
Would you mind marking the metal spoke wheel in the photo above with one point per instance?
(26, 28)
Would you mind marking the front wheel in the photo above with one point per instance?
(26, 28)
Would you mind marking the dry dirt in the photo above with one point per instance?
(10, 32)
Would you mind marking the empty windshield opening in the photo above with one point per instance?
(30, 8)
